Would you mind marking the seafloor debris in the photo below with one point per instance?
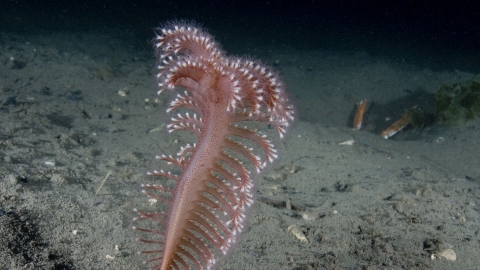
(295, 230)
(448, 254)
(347, 142)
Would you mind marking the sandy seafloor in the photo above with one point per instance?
(376, 204)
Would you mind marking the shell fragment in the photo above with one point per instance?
(295, 230)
